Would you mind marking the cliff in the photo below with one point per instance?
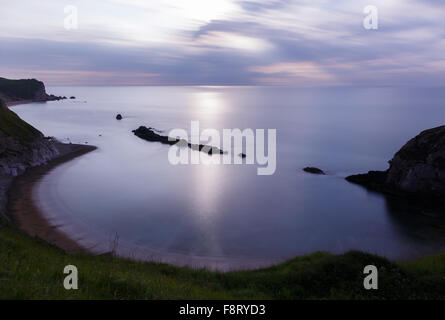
(419, 167)
(21, 146)
(417, 170)
(24, 90)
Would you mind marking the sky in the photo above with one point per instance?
(223, 42)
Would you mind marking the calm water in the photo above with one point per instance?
(227, 216)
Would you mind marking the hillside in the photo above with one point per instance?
(11, 125)
(24, 90)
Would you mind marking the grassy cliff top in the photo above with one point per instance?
(11, 125)
(24, 89)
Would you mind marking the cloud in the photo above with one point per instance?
(292, 72)
(224, 42)
(234, 41)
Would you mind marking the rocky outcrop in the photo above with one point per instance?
(150, 135)
(13, 91)
(419, 167)
(21, 146)
(313, 170)
(416, 170)
(15, 156)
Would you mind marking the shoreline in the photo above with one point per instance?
(28, 218)
(23, 211)
(10, 104)
(17, 103)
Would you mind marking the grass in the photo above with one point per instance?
(13, 126)
(32, 269)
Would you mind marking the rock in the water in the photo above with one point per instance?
(72, 97)
(418, 168)
(149, 134)
(119, 117)
(313, 170)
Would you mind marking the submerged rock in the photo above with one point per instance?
(313, 170)
(417, 169)
(119, 117)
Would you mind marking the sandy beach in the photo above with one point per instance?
(23, 211)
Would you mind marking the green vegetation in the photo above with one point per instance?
(31, 269)
(25, 89)
(13, 126)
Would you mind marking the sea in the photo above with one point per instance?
(127, 197)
